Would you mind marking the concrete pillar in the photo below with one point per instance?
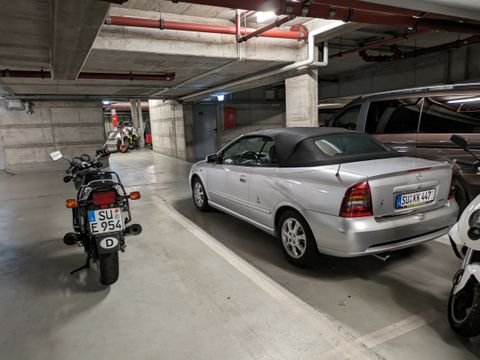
(301, 103)
(168, 128)
(137, 119)
(27, 139)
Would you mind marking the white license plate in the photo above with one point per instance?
(105, 220)
(414, 199)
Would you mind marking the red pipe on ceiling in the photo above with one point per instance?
(216, 29)
(398, 55)
(266, 28)
(382, 42)
(383, 15)
(89, 75)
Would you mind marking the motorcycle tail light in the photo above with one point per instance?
(357, 201)
(104, 198)
(71, 203)
(135, 195)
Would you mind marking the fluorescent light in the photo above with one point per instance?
(106, 102)
(467, 100)
(265, 16)
(220, 97)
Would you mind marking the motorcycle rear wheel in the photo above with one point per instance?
(109, 268)
(464, 310)
(123, 148)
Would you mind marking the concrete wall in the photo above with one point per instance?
(252, 117)
(72, 127)
(439, 68)
(168, 128)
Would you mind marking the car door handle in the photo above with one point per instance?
(243, 178)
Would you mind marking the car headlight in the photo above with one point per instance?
(474, 219)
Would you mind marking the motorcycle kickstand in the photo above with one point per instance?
(84, 266)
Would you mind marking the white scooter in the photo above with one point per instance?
(464, 302)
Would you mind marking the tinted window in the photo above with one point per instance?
(393, 116)
(440, 116)
(251, 151)
(348, 119)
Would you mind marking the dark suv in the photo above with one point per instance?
(419, 122)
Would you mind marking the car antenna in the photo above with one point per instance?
(339, 165)
(337, 174)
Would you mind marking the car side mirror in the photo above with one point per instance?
(56, 155)
(212, 158)
(460, 141)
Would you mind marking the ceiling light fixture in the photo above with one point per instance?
(467, 100)
(264, 16)
(220, 97)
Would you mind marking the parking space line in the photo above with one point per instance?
(389, 332)
(328, 329)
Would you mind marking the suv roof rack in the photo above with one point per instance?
(421, 89)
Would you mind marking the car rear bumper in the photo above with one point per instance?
(351, 237)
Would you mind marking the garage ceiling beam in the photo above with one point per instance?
(330, 10)
(75, 25)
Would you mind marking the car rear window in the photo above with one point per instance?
(342, 145)
(336, 148)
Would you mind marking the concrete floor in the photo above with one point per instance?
(206, 286)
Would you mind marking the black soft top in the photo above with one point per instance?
(287, 139)
(295, 146)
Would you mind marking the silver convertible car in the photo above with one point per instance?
(327, 190)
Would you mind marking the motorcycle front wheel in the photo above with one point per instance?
(464, 310)
(108, 268)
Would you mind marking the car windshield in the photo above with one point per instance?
(348, 144)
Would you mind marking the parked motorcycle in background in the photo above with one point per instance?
(101, 212)
(127, 138)
(464, 301)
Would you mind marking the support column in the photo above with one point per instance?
(137, 119)
(168, 128)
(301, 98)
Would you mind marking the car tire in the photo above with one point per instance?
(464, 310)
(199, 196)
(297, 240)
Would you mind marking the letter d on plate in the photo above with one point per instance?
(109, 243)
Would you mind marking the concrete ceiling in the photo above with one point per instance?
(27, 41)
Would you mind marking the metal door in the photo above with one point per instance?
(204, 130)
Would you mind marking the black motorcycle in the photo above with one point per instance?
(101, 213)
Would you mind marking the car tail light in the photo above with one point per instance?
(104, 198)
(451, 194)
(357, 201)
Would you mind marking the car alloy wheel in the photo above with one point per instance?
(198, 194)
(294, 239)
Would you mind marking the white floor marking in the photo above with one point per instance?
(345, 345)
(390, 332)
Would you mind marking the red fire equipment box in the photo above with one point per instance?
(229, 116)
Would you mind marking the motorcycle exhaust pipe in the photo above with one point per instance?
(71, 238)
(134, 229)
